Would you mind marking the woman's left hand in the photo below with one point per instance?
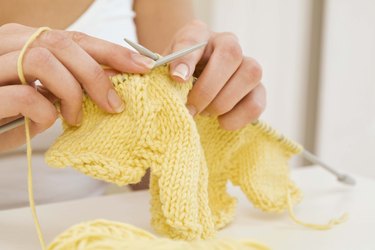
(229, 83)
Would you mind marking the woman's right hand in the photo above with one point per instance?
(65, 63)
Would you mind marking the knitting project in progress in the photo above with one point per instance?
(191, 161)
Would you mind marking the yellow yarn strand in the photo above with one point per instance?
(272, 132)
(21, 76)
(329, 225)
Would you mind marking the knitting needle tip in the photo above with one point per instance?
(343, 178)
(168, 58)
(346, 179)
(142, 50)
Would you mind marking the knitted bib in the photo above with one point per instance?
(191, 160)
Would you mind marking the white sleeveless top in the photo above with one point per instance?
(111, 20)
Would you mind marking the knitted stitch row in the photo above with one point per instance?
(191, 160)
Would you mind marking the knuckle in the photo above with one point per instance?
(56, 39)
(72, 94)
(184, 40)
(199, 99)
(198, 23)
(117, 53)
(11, 26)
(98, 73)
(27, 95)
(254, 70)
(50, 119)
(230, 37)
(78, 36)
(40, 57)
(75, 94)
(255, 110)
(222, 108)
(231, 50)
(204, 94)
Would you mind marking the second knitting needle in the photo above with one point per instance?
(168, 58)
(11, 125)
(340, 177)
(165, 59)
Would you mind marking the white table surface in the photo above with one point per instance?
(324, 198)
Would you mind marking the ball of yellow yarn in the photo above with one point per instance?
(108, 235)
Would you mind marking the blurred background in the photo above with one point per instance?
(318, 59)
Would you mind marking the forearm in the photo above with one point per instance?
(158, 20)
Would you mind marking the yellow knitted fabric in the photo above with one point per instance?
(254, 158)
(110, 235)
(190, 160)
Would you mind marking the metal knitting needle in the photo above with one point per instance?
(166, 59)
(142, 50)
(178, 54)
(346, 179)
(11, 125)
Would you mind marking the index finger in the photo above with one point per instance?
(84, 68)
(113, 55)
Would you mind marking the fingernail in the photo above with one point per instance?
(143, 61)
(192, 109)
(79, 118)
(181, 71)
(115, 101)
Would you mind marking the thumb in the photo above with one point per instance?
(183, 68)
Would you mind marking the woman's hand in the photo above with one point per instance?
(229, 84)
(65, 63)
